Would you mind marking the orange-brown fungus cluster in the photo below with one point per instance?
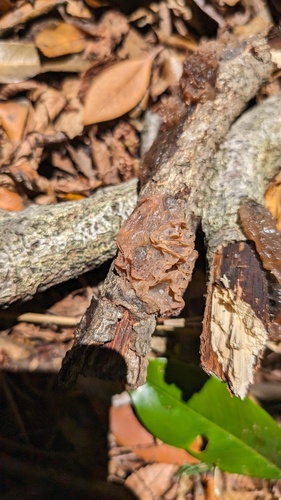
(156, 254)
(198, 80)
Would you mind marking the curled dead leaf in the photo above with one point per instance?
(18, 61)
(25, 12)
(273, 199)
(117, 90)
(143, 443)
(95, 4)
(5, 6)
(73, 63)
(77, 9)
(10, 200)
(61, 40)
(13, 116)
(152, 481)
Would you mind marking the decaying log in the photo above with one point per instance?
(175, 171)
(46, 245)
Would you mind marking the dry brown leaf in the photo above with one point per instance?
(113, 26)
(26, 12)
(61, 40)
(152, 481)
(70, 120)
(53, 100)
(13, 116)
(5, 6)
(73, 63)
(177, 41)
(123, 418)
(96, 3)
(12, 89)
(14, 350)
(143, 17)
(50, 103)
(31, 149)
(81, 157)
(69, 185)
(273, 199)
(230, 3)
(23, 332)
(63, 162)
(10, 200)
(18, 61)
(107, 172)
(168, 74)
(134, 46)
(259, 24)
(23, 173)
(72, 196)
(120, 159)
(105, 36)
(77, 9)
(70, 123)
(117, 90)
(75, 302)
(142, 442)
(126, 133)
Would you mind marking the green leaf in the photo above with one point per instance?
(239, 436)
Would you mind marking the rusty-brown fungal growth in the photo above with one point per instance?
(156, 254)
(198, 80)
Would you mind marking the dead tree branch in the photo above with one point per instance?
(156, 256)
(45, 245)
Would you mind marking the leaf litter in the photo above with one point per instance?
(63, 135)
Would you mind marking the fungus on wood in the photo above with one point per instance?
(192, 172)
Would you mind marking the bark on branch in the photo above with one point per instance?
(156, 255)
(43, 246)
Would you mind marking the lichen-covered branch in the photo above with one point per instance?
(45, 245)
(246, 162)
(176, 171)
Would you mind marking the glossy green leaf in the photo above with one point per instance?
(239, 436)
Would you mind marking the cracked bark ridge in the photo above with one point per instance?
(176, 166)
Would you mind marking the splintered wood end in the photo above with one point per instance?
(236, 317)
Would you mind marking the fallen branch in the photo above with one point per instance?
(156, 254)
(46, 245)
